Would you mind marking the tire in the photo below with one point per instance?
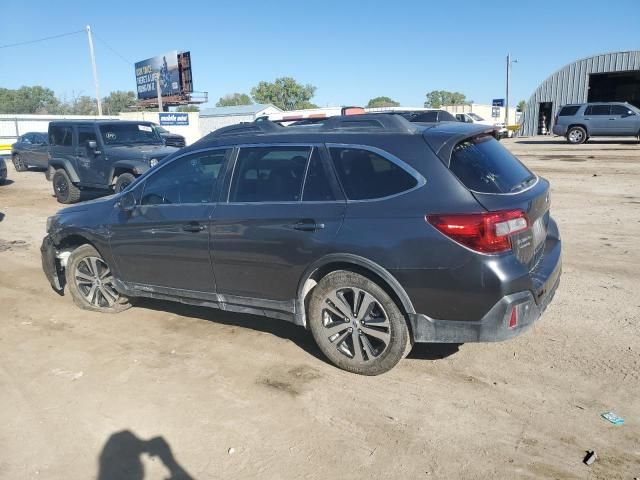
(49, 173)
(63, 189)
(123, 181)
(89, 280)
(19, 164)
(378, 328)
(576, 135)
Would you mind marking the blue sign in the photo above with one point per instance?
(174, 119)
(498, 102)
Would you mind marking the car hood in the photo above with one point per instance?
(102, 202)
(142, 152)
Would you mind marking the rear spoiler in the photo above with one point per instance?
(443, 137)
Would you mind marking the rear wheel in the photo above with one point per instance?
(19, 164)
(576, 135)
(124, 180)
(64, 190)
(357, 325)
(90, 282)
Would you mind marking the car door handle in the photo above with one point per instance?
(193, 227)
(307, 225)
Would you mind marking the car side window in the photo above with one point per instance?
(27, 138)
(86, 134)
(269, 174)
(61, 136)
(600, 110)
(317, 184)
(189, 179)
(366, 175)
(620, 110)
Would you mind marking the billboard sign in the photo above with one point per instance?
(163, 66)
(174, 119)
(498, 102)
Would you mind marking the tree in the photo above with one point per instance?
(82, 105)
(188, 108)
(34, 99)
(437, 98)
(233, 99)
(284, 93)
(521, 106)
(118, 101)
(382, 102)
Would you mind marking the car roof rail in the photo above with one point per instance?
(260, 125)
(387, 122)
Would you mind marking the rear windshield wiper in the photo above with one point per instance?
(523, 183)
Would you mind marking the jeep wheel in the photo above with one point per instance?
(19, 163)
(576, 135)
(357, 325)
(124, 180)
(64, 190)
(90, 282)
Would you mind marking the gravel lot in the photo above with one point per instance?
(207, 394)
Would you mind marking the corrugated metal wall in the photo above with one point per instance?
(570, 84)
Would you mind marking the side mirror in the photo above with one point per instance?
(93, 145)
(127, 202)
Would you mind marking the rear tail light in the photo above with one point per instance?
(487, 232)
(513, 319)
(555, 120)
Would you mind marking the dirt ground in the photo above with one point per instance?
(168, 388)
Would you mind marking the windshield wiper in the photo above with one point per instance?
(523, 183)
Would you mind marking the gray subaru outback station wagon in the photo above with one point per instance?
(370, 231)
(613, 119)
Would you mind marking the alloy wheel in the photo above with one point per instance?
(60, 186)
(95, 282)
(575, 136)
(356, 324)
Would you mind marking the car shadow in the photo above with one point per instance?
(7, 182)
(279, 328)
(121, 457)
(562, 141)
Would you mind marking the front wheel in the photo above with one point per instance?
(90, 282)
(123, 181)
(64, 190)
(576, 135)
(357, 325)
(19, 164)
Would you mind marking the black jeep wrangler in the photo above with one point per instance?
(100, 155)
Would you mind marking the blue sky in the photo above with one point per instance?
(351, 51)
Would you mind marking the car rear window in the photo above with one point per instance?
(569, 111)
(485, 166)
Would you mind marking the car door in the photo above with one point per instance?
(27, 149)
(275, 223)
(163, 242)
(624, 120)
(40, 151)
(597, 119)
(91, 165)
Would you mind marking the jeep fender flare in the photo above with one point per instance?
(341, 260)
(67, 166)
(137, 167)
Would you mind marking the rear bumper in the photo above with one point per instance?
(50, 264)
(494, 325)
(560, 130)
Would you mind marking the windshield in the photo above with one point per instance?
(161, 129)
(477, 118)
(129, 134)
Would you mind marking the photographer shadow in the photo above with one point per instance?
(121, 457)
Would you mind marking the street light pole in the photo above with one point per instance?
(95, 70)
(506, 114)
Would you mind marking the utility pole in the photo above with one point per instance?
(159, 92)
(95, 70)
(509, 62)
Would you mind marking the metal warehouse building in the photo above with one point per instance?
(601, 78)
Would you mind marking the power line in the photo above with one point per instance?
(111, 48)
(41, 39)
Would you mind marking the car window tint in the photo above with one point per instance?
(620, 110)
(431, 116)
(189, 179)
(317, 185)
(85, 134)
(483, 165)
(367, 175)
(600, 110)
(61, 135)
(269, 174)
(569, 111)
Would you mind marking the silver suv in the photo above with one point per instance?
(611, 119)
